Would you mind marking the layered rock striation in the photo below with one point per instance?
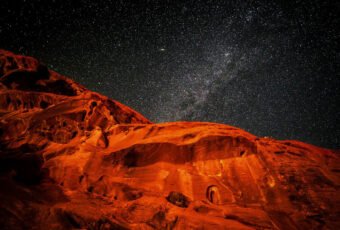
(71, 158)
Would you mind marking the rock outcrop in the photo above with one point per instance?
(71, 158)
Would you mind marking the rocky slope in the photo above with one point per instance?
(74, 159)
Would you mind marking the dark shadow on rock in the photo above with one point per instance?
(178, 199)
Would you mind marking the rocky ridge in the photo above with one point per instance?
(72, 158)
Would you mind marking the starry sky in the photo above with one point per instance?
(269, 67)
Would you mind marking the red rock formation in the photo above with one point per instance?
(71, 158)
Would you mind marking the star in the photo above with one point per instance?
(255, 66)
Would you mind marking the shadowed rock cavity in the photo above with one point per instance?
(178, 199)
(213, 194)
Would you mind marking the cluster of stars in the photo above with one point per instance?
(269, 67)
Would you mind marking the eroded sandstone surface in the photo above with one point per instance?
(74, 159)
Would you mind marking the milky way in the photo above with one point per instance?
(269, 67)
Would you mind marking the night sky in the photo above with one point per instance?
(269, 67)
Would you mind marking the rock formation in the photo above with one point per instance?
(74, 159)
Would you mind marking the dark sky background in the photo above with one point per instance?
(269, 67)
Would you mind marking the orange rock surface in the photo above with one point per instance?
(74, 159)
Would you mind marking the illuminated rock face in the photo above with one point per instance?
(71, 158)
